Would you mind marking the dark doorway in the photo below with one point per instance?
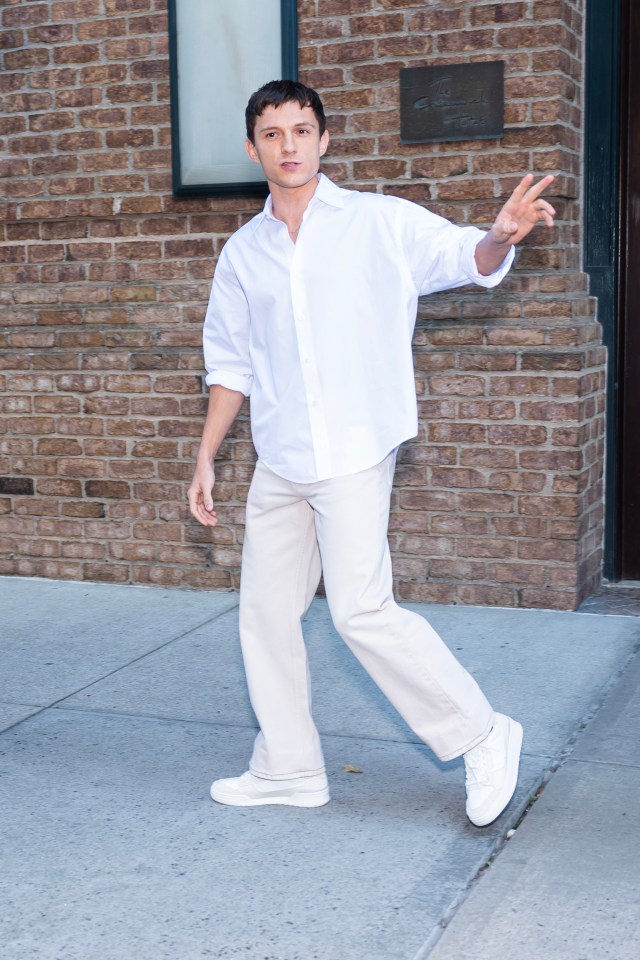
(629, 297)
(612, 258)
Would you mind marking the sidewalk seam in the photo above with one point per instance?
(563, 757)
(123, 666)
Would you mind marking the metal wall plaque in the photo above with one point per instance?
(460, 101)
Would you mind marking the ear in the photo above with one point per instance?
(324, 143)
(252, 153)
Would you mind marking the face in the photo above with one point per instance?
(288, 145)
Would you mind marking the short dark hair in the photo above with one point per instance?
(277, 92)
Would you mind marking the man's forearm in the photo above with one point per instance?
(224, 406)
(489, 254)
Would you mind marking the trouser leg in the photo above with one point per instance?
(280, 574)
(437, 697)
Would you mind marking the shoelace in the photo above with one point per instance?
(479, 769)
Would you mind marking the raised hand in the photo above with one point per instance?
(523, 210)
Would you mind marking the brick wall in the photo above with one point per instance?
(104, 278)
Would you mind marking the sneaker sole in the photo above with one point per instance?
(317, 798)
(514, 747)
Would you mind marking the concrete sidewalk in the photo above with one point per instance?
(119, 705)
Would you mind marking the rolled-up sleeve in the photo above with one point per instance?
(441, 255)
(469, 244)
(226, 332)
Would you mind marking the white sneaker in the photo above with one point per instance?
(492, 771)
(250, 791)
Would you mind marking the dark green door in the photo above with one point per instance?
(629, 299)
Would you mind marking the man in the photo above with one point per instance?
(311, 312)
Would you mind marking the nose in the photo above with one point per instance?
(288, 145)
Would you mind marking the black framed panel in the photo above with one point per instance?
(602, 230)
(219, 53)
(628, 455)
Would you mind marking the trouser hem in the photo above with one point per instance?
(286, 776)
(470, 745)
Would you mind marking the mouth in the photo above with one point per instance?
(290, 165)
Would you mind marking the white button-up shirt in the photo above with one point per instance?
(319, 332)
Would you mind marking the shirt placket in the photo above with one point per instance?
(309, 361)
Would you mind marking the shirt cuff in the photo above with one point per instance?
(232, 381)
(480, 279)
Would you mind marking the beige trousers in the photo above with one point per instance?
(293, 531)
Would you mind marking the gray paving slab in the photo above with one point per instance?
(567, 885)
(547, 669)
(198, 677)
(614, 734)
(57, 636)
(112, 848)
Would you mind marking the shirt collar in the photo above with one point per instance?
(326, 191)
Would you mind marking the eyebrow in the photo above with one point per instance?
(304, 123)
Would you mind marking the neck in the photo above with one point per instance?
(289, 205)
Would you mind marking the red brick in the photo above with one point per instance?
(517, 434)
(133, 551)
(76, 9)
(51, 33)
(188, 248)
(10, 39)
(517, 481)
(130, 138)
(548, 506)
(150, 70)
(457, 386)
(106, 572)
(12, 254)
(547, 598)
(432, 21)
(75, 142)
(493, 503)
(551, 411)
(31, 145)
(11, 125)
(347, 52)
(101, 29)
(84, 97)
(148, 24)
(25, 14)
(130, 92)
(98, 163)
(499, 13)
(126, 6)
(107, 489)
(486, 547)
(59, 488)
(27, 102)
(79, 53)
(486, 595)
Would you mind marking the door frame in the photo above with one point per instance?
(604, 68)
